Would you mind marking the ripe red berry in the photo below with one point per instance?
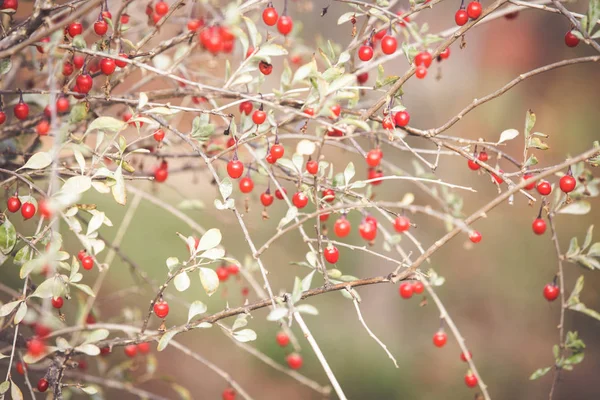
(21, 110)
(67, 69)
(222, 273)
(130, 350)
(81, 254)
(367, 230)
(544, 188)
(78, 61)
(529, 185)
(270, 16)
(62, 105)
(336, 110)
(567, 183)
(406, 290)
(161, 8)
(473, 165)
(106, 14)
(42, 385)
(309, 111)
(571, 40)
(282, 339)
(20, 368)
(365, 53)
(423, 58)
(246, 107)
(362, 78)
(444, 54)
(43, 127)
(461, 17)
(57, 302)
(28, 210)
(13, 204)
(87, 262)
(388, 44)
(266, 199)
(342, 227)
(159, 135)
(74, 29)
(233, 269)
(294, 360)
(277, 151)
(143, 348)
(551, 292)
(539, 226)
(119, 63)
(235, 169)
(100, 27)
(440, 338)
(279, 195)
(475, 237)
(10, 5)
(401, 118)
(421, 72)
(401, 224)
(474, 9)
(324, 216)
(331, 254)
(483, 156)
(375, 174)
(374, 157)
(259, 117)
(265, 68)
(497, 178)
(328, 195)
(228, 394)
(161, 309)
(388, 123)
(466, 357)
(470, 380)
(161, 173)
(285, 25)
(312, 167)
(300, 200)
(84, 82)
(107, 66)
(2, 117)
(193, 25)
(246, 184)
(35, 347)
(418, 287)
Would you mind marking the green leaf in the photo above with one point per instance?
(84, 288)
(211, 239)
(45, 290)
(529, 123)
(245, 335)
(5, 65)
(575, 359)
(182, 282)
(240, 321)
(576, 208)
(588, 237)
(349, 173)
(15, 392)
(537, 143)
(8, 237)
(291, 213)
(594, 251)
(38, 161)
(96, 336)
(77, 184)
(531, 161)
(118, 189)
(9, 307)
(307, 309)
(20, 314)
(23, 255)
(78, 113)
(507, 135)
(270, 50)
(196, 308)
(91, 390)
(539, 373)
(165, 339)
(209, 280)
(277, 313)
(584, 310)
(574, 297)
(226, 188)
(201, 129)
(107, 124)
(4, 386)
(297, 291)
(89, 349)
(307, 281)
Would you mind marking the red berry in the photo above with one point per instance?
(222, 273)
(246, 107)
(246, 184)
(62, 105)
(539, 226)
(42, 385)
(159, 135)
(233, 269)
(161, 309)
(105, 350)
(375, 174)
(130, 350)
(365, 53)
(143, 348)
(473, 165)
(379, 35)
(423, 58)
(300, 200)
(421, 72)
(294, 360)
(312, 167)
(418, 287)
(309, 111)
(571, 40)
(28, 210)
(10, 5)
(161, 8)
(107, 66)
(282, 339)
(13, 204)
(567, 183)
(78, 61)
(21, 110)
(266, 199)
(259, 117)
(270, 16)
(551, 292)
(470, 380)
(265, 68)
(285, 25)
(84, 82)
(2, 117)
(474, 9)
(336, 110)
(57, 302)
(401, 224)
(74, 29)
(20, 368)
(498, 178)
(440, 338)
(461, 17)
(362, 78)
(483, 156)
(36, 347)
(43, 127)
(388, 44)
(466, 357)
(529, 185)
(106, 14)
(228, 394)
(67, 68)
(45, 210)
(81, 254)
(119, 63)
(277, 151)
(444, 54)
(406, 290)
(279, 195)
(235, 169)
(100, 27)
(342, 227)
(388, 123)
(90, 319)
(544, 188)
(401, 118)
(161, 173)
(475, 237)
(324, 216)
(87, 263)
(331, 254)
(367, 230)
(328, 195)
(270, 159)
(373, 157)
(193, 25)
